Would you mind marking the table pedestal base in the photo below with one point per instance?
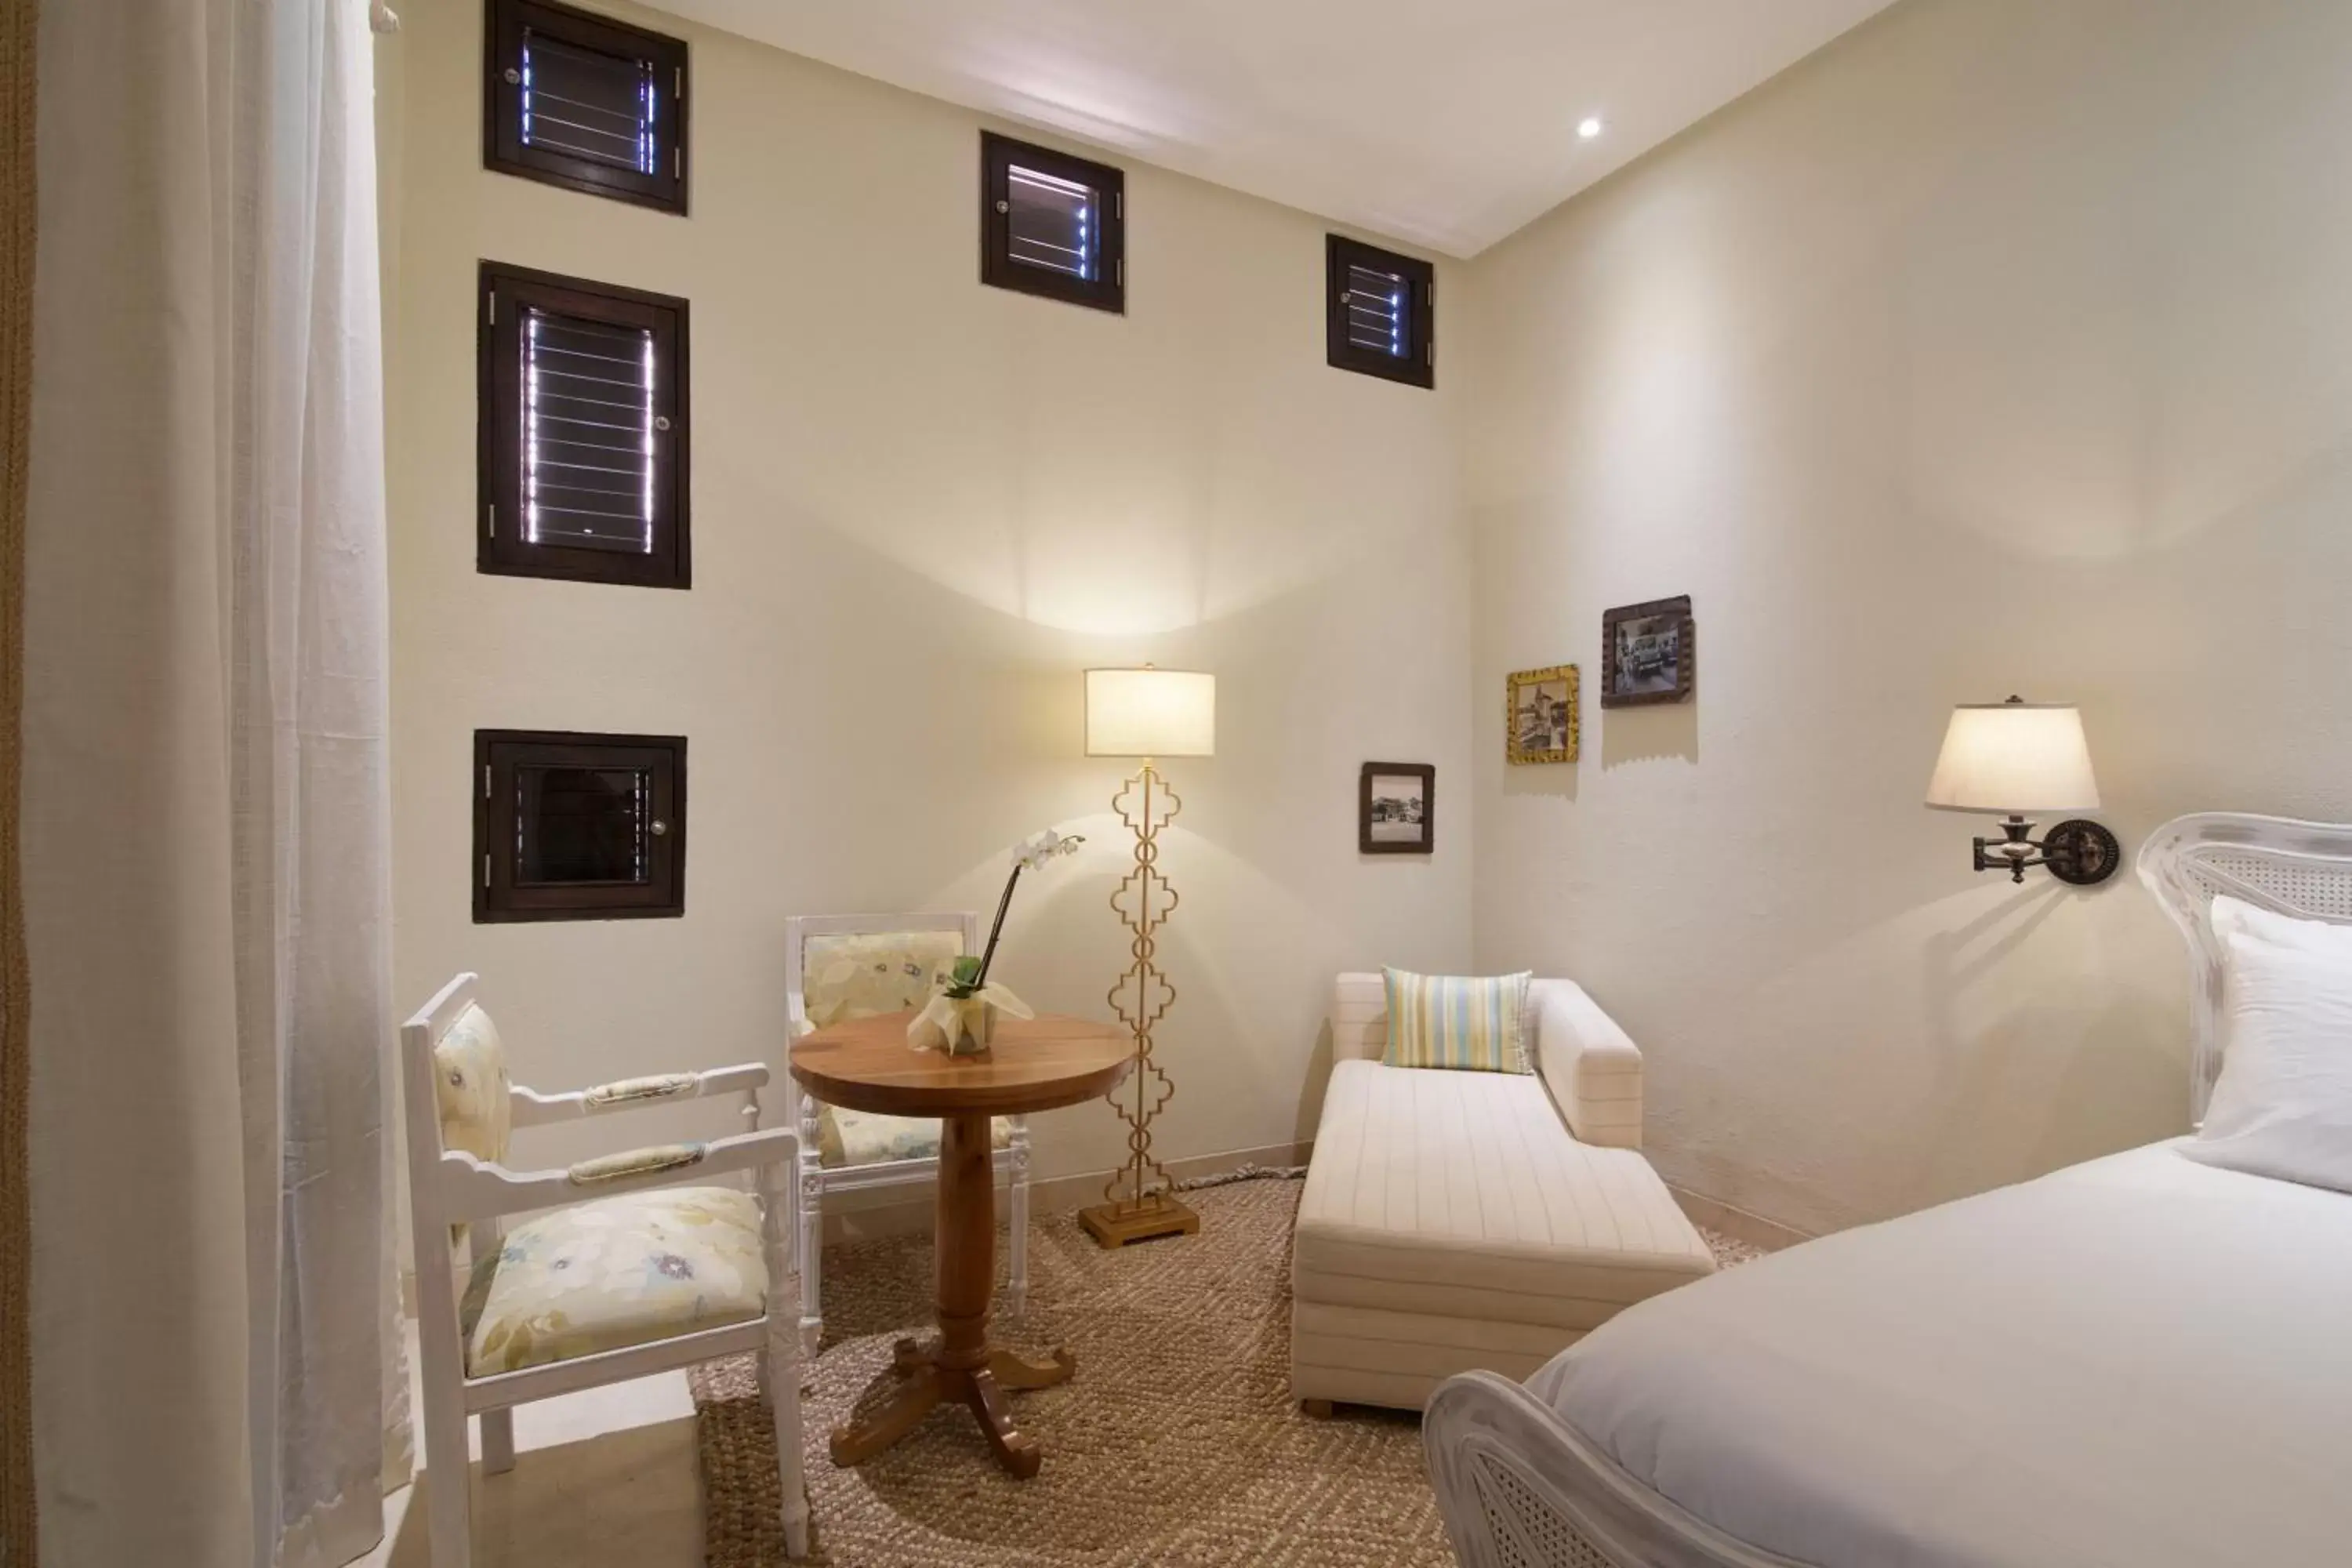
(929, 1383)
(960, 1366)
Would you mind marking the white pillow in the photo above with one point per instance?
(2235, 916)
(2283, 1105)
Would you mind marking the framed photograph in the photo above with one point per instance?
(1540, 721)
(1647, 653)
(1396, 808)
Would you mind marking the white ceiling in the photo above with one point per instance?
(1444, 124)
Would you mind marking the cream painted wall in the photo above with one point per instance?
(2001, 347)
(920, 507)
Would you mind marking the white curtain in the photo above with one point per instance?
(217, 1382)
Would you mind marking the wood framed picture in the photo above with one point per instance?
(1540, 719)
(1647, 653)
(1396, 809)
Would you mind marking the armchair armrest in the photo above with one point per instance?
(532, 1109)
(604, 1168)
(1592, 1067)
(480, 1189)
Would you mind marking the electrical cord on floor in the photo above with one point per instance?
(1252, 1172)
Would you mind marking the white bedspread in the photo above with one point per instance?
(2141, 1360)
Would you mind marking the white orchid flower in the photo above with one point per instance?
(1032, 853)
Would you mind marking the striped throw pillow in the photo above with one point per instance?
(1456, 1021)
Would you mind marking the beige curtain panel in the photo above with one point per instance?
(18, 24)
(204, 812)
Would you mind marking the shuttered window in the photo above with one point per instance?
(582, 430)
(583, 102)
(1379, 309)
(1379, 306)
(589, 105)
(1052, 224)
(578, 826)
(588, 433)
(1055, 224)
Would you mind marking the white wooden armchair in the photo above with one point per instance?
(838, 967)
(633, 1272)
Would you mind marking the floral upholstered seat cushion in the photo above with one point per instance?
(618, 1271)
(846, 975)
(864, 1138)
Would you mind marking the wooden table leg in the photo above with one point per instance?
(960, 1368)
(1015, 1370)
(1014, 1449)
(859, 1441)
(965, 1243)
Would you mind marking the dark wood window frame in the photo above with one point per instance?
(998, 154)
(503, 147)
(498, 897)
(503, 548)
(1418, 365)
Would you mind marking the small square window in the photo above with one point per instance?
(578, 828)
(585, 102)
(581, 430)
(1379, 308)
(1052, 224)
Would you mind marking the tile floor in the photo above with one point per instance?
(606, 1475)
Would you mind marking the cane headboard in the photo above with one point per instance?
(2302, 869)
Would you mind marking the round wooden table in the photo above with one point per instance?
(1043, 1064)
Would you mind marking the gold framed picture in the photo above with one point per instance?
(1539, 720)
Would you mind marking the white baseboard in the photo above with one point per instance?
(1737, 1223)
(904, 1211)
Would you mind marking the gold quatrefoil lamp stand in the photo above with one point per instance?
(1148, 713)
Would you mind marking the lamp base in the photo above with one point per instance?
(2081, 852)
(1124, 1223)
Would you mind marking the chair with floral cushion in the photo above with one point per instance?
(838, 967)
(631, 1263)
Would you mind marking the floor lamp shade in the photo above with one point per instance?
(1150, 713)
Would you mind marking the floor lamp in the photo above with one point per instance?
(1147, 713)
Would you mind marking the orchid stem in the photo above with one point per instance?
(989, 956)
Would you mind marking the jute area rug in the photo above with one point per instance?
(1177, 1443)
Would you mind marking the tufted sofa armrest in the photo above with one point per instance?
(1359, 1017)
(1593, 1067)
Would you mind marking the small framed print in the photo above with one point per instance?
(1540, 715)
(1396, 809)
(1647, 653)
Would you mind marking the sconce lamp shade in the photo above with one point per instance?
(1150, 713)
(2022, 758)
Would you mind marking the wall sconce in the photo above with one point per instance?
(2019, 757)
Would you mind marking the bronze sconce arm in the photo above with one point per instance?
(2078, 851)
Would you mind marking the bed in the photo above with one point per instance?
(2141, 1360)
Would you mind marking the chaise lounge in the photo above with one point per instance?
(1454, 1220)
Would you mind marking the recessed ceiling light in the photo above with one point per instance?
(1589, 127)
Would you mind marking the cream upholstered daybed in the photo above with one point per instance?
(1457, 1219)
(2142, 1361)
